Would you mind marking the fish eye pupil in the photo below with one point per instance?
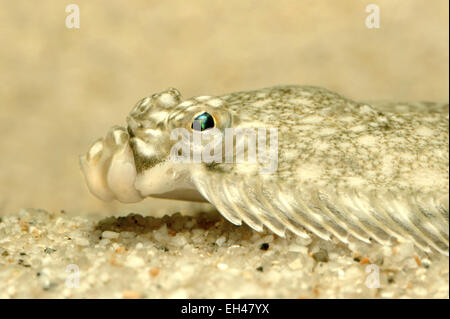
(203, 122)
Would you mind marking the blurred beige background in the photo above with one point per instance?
(62, 88)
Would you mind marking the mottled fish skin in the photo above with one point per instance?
(375, 171)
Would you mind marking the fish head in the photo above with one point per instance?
(143, 158)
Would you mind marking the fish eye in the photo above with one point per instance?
(203, 122)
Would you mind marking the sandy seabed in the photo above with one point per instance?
(55, 255)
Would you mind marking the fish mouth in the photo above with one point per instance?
(183, 194)
(109, 168)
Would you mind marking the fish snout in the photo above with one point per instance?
(109, 167)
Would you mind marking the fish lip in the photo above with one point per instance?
(182, 194)
(109, 168)
(95, 176)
